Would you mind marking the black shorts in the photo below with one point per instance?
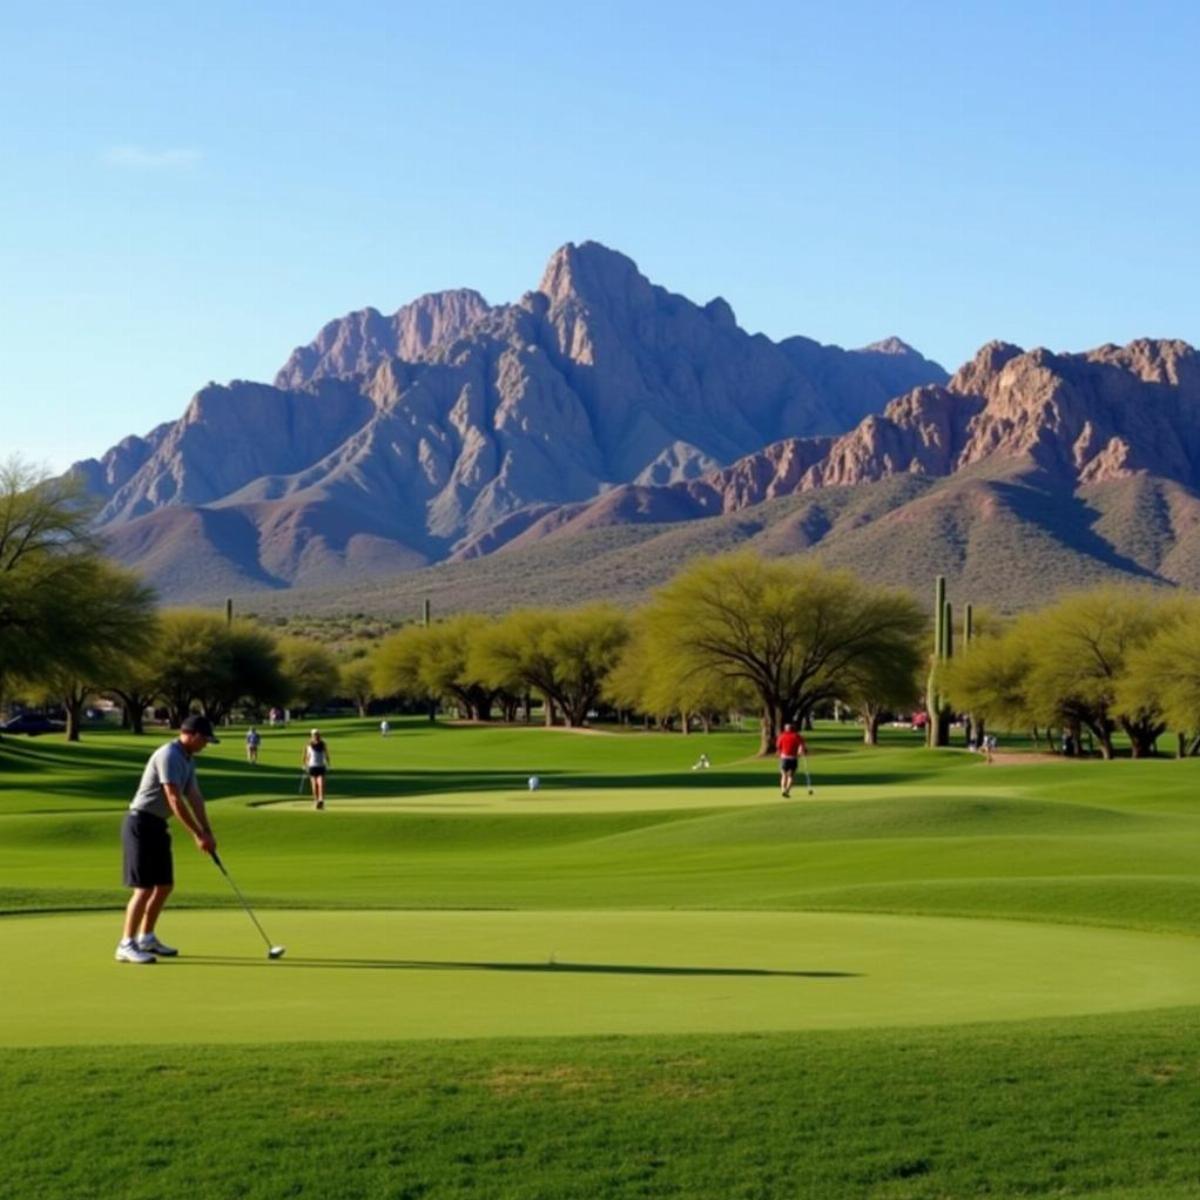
(146, 841)
(316, 772)
(788, 764)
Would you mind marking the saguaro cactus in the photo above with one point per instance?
(973, 729)
(937, 730)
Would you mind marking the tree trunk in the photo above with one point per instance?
(870, 728)
(937, 728)
(943, 727)
(133, 706)
(1143, 737)
(772, 722)
(685, 724)
(550, 713)
(706, 722)
(74, 710)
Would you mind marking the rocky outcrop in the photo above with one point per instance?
(357, 343)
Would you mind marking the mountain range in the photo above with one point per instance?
(601, 410)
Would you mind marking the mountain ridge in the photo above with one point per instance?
(595, 378)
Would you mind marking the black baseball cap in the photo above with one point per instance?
(198, 724)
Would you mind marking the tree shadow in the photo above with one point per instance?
(570, 968)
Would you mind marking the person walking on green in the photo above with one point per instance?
(790, 746)
(315, 760)
(168, 788)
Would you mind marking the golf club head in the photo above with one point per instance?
(277, 952)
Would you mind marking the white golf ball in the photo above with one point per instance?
(534, 783)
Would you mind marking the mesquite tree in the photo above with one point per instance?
(791, 633)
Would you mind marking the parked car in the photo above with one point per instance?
(32, 724)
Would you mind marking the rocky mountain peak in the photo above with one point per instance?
(591, 272)
(974, 377)
(889, 345)
(354, 345)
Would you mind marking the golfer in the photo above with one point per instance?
(253, 738)
(168, 787)
(790, 746)
(315, 760)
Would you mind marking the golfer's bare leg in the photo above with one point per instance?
(158, 897)
(135, 911)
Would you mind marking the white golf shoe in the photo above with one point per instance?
(127, 951)
(151, 945)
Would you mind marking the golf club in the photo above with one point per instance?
(272, 951)
(807, 776)
(303, 781)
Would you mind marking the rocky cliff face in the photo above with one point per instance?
(1073, 420)
(437, 428)
(1081, 418)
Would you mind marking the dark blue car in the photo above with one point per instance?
(32, 724)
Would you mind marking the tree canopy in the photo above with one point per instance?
(565, 655)
(793, 633)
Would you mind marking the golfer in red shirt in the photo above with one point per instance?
(790, 746)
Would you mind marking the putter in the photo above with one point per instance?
(272, 951)
(303, 781)
(807, 776)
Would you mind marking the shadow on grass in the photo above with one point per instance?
(404, 964)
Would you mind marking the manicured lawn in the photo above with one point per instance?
(931, 978)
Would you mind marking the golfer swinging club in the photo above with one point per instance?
(790, 746)
(168, 786)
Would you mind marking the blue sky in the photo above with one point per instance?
(189, 191)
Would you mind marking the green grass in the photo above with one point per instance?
(932, 978)
(1102, 1108)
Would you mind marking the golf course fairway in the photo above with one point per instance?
(930, 978)
(354, 976)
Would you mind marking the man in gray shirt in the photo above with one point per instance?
(168, 787)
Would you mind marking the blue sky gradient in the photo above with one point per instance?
(191, 191)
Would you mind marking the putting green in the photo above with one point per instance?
(367, 975)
